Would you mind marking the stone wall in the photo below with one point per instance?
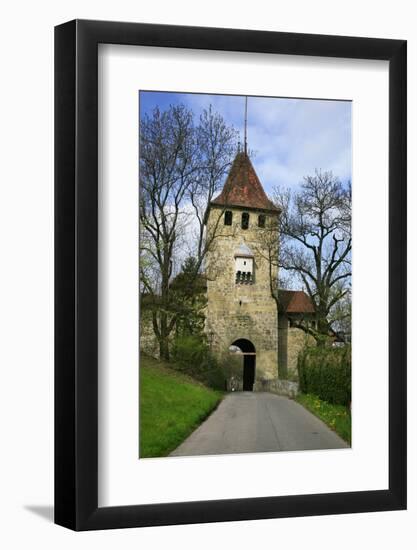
(291, 341)
(288, 388)
(297, 340)
(282, 345)
(237, 311)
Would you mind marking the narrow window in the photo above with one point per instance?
(261, 220)
(228, 216)
(245, 220)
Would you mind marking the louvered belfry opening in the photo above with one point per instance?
(244, 265)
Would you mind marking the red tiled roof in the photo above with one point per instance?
(294, 301)
(243, 188)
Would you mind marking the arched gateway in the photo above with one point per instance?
(247, 349)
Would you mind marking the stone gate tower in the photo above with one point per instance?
(240, 309)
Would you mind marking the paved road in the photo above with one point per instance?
(249, 422)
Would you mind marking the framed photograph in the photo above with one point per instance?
(230, 255)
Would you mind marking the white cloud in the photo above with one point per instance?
(290, 137)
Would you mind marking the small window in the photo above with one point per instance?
(261, 220)
(245, 220)
(228, 217)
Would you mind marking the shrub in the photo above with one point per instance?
(189, 352)
(326, 372)
(192, 356)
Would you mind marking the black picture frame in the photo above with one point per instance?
(76, 272)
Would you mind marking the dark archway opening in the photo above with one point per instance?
(249, 362)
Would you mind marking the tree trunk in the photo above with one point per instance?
(323, 330)
(164, 336)
(164, 349)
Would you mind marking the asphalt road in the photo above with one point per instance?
(255, 422)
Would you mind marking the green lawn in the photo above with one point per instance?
(337, 417)
(171, 407)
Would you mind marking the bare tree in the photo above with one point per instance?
(181, 167)
(340, 316)
(316, 241)
(168, 156)
(267, 247)
(216, 144)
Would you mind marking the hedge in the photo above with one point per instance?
(191, 356)
(326, 372)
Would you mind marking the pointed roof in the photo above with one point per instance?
(294, 301)
(243, 188)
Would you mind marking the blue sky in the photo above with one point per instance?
(290, 138)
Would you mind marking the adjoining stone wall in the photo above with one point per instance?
(282, 345)
(247, 310)
(280, 387)
(297, 340)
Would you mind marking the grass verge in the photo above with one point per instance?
(337, 417)
(172, 405)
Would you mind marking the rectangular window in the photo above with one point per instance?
(261, 220)
(245, 220)
(228, 217)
